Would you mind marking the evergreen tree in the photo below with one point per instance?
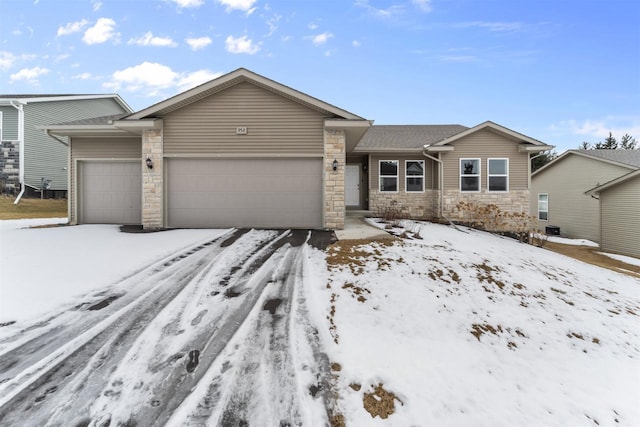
(538, 161)
(628, 142)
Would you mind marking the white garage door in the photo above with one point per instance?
(263, 193)
(110, 193)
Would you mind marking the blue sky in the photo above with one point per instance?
(562, 71)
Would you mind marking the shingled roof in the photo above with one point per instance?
(627, 157)
(405, 137)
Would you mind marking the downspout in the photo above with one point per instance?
(440, 186)
(20, 107)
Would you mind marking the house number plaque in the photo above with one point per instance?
(243, 130)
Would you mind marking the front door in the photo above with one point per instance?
(352, 186)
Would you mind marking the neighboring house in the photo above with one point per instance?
(28, 159)
(244, 150)
(558, 189)
(620, 214)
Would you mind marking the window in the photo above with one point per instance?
(414, 176)
(498, 176)
(389, 175)
(543, 206)
(0, 125)
(469, 174)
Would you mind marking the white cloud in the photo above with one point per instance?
(82, 76)
(97, 5)
(491, 26)
(356, 43)
(72, 27)
(243, 5)
(423, 5)
(241, 45)
(7, 59)
(198, 43)
(152, 78)
(102, 31)
(188, 3)
(149, 39)
(597, 129)
(196, 78)
(392, 10)
(312, 26)
(29, 75)
(321, 39)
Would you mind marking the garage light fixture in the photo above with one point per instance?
(149, 163)
(335, 165)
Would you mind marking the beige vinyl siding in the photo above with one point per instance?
(275, 125)
(9, 123)
(620, 210)
(99, 148)
(565, 182)
(44, 156)
(485, 144)
(430, 177)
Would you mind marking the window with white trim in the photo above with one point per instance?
(388, 176)
(414, 176)
(470, 175)
(498, 174)
(543, 206)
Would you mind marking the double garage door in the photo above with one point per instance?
(209, 193)
(264, 193)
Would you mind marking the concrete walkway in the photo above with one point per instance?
(356, 228)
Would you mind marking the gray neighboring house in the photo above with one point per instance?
(28, 156)
(558, 189)
(620, 214)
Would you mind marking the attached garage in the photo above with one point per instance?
(267, 193)
(110, 192)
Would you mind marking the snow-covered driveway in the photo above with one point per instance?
(217, 334)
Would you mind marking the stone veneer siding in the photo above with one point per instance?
(9, 166)
(152, 180)
(416, 205)
(334, 207)
(515, 201)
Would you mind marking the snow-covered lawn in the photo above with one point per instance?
(42, 269)
(454, 328)
(472, 329)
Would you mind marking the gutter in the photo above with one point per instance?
(20, 107)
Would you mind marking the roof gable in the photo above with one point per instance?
(511, 134)
(231, 79)
(614, 182)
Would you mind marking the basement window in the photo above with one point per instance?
(389, 176)
(543, 206)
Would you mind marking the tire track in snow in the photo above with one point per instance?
(272, 370)
(77, 370)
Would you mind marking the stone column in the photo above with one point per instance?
(152, 180)
(334, 207)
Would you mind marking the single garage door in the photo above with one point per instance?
(263, 193)
(111, 192)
